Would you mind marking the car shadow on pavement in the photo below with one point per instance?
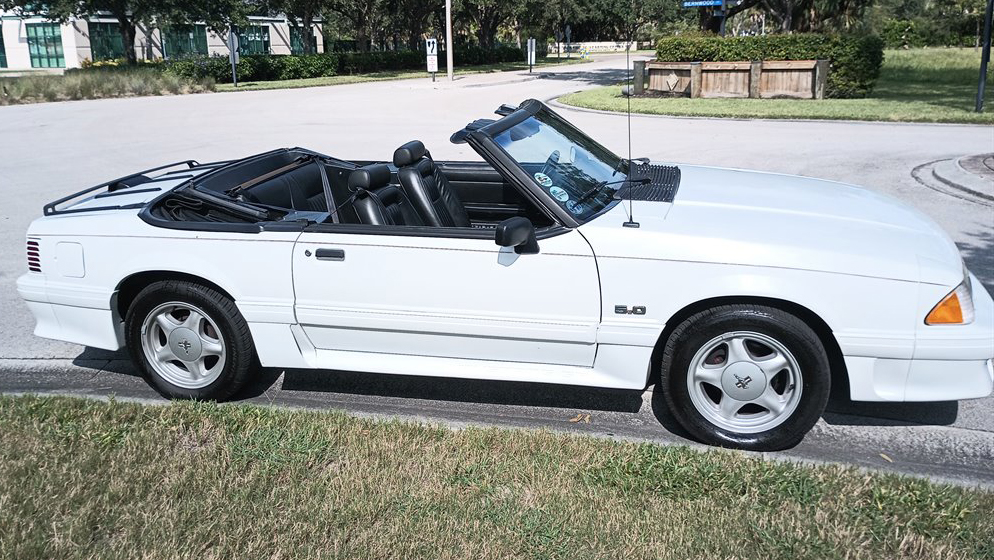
(453, 390)
(845, 412)
(840, 411)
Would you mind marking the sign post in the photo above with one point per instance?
(569, 32)
(233, 54)
(449, 47)
(431, 48)
(531, 54)
(721, 9)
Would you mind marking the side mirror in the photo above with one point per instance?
(519, 233)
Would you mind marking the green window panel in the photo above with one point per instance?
(106, 42)
(3, 52)
(297, 38)
(45, 45)
(253, 39)
(182, 40)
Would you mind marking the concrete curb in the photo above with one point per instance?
(554, 101)
(952, 174)
(945, 176)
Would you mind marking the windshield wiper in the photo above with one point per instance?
(597, 188)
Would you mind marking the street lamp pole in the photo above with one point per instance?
(985, 56)
(448, 38)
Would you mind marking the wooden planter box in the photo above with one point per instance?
(800, 79)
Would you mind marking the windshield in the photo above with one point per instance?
(578, 173)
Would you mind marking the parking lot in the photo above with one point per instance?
(49, 150)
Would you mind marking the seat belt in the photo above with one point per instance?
(329, 198)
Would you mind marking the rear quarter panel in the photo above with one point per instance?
(254, 268)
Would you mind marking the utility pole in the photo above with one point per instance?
(449, 47)
(985, 56)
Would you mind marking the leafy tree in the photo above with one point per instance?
(300, 14)
(486, 17)
(364, 17)
(218, 14)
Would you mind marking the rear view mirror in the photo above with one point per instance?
(517, 232)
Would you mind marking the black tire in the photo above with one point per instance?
(240, 361)
(794, 334)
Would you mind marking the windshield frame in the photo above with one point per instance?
(483, 140)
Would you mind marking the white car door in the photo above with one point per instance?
(447, 297)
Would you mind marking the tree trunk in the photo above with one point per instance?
(128, 33)
(307, 20)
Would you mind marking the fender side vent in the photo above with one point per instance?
(34, 255)
(664, 180)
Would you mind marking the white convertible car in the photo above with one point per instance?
(744, 296)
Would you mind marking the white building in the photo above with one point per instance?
(34, 43)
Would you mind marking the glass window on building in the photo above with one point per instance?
(106, 42)
(297, 37)
(45, 45)
(183, 40)
(3, 53)
(253, 39)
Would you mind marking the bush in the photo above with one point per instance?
(902, 34)
(295, 67)
(855, 59)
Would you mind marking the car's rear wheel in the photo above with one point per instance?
(745, 376)
(189, 340)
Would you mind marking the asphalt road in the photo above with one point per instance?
(49, 150)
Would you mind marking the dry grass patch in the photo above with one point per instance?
(82, 479)
(97, 84)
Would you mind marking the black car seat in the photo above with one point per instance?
(298, 189)
(427, 188)
(379, 203)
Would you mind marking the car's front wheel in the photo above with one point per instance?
(745, 376)
(189, 340)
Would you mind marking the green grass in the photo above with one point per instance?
(391, 75)
(921, 85)
(85, 479)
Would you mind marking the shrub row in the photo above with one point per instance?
(292, 67)
(925, 32)
(855, 59)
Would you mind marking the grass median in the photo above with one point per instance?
(392, 75)
(86, 479)
(919, 85)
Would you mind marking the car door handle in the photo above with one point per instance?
(330, 254)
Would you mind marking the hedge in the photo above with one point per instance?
(291, 67)
(855, 60)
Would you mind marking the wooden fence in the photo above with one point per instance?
(801, 79)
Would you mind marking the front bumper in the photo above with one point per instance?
(949, 362)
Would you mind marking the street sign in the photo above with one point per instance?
(700, 3)
(233, 54)
(431, 48)
(531, 54)
(233, 46)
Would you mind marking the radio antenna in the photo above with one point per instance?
(628, 95)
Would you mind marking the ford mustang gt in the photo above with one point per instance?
(742, 296)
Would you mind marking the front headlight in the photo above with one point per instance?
(956, 308)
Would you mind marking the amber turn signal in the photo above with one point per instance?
(947, 312)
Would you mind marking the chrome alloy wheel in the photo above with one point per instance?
(183, 345)
(744, 382)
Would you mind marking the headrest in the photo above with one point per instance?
(408, 153)
(370, 177)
